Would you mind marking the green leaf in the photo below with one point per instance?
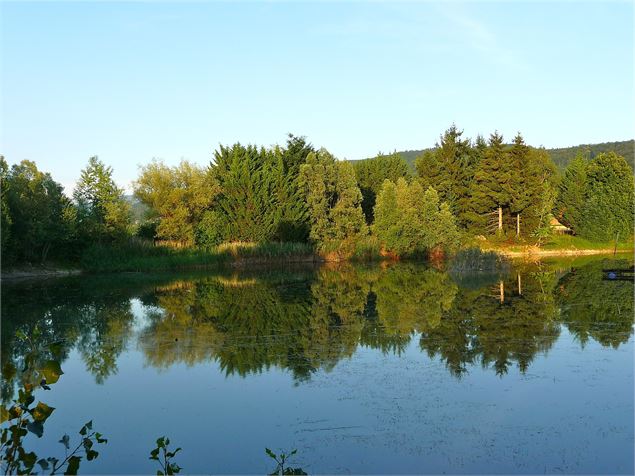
(41, 412)
(43, 464)
(57, 348)
(65, 441)
(20, 334)
(86, 427)
(51, 371)
(15, 411)
(4, 414)
(73, 465)
(36, 427)
(91, 455)
(271, 453)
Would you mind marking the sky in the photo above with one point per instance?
(130, 82)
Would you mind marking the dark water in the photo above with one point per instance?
(363, 369)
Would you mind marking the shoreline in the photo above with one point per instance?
(538, 252)
(243, 262)
(19, 274)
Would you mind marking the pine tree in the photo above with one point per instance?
(491, 189)
(571, 199)
(449, 169)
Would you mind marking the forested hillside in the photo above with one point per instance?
(561, 156)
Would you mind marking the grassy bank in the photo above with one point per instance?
(558, 245)
(146, 257)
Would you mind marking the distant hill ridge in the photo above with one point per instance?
(563, 155)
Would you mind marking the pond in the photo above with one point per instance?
(385, 368)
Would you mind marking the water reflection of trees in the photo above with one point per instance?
(305, 320)
(595, 308)
(496, 329)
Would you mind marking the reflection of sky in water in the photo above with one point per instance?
(571, 412)
(364, 410)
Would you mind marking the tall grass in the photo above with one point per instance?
(138, 256)
(475, 259)
(576, 242)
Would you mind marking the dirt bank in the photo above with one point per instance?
(31, 273)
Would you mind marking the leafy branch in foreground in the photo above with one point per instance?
(282, 459)
(163, 455)
(22, 417)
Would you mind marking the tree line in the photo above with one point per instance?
(298, 193)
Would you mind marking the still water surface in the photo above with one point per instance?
(364, 369)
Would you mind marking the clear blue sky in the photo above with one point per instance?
(133, 81)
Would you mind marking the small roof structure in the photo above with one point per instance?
(557, 226)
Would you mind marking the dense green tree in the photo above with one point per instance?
(178, 196)
(609, 199)
(571, 196)
(258, 200)
(371, 174)
(532, 187)
(334, 203)
(410, 221)
(295, 153)
(449, 169)
(102, 212)
(36, 206)
(5, 214)
(491, 188)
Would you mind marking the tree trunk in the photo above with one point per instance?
(518, 225)
(502, 292)
(500, 218)
(45, 252)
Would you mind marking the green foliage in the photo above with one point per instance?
(22, 418)
(474, 259)
(492, 185)
(371, 173)
(5, 214)
(103, 213)
(571, 196)
(609, 199)
(259, 198)
(139, 256)
(596, 309)
(562, 157)
(409, 221)
(449, 169)
(281, 462)
(178, 196)
(163, 455)
(36, 215)
(334, 203)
